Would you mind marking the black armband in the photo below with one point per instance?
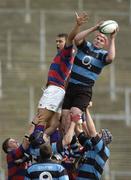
(95, 139)
(74, 140)
(82, 138)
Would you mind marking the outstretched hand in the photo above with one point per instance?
(112, 35)
(81, 18)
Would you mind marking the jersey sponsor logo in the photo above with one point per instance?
(87, 61)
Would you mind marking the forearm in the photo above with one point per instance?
(82, 35)
(111, 50)
(90, 124)
(72, 34)
(33, 124)
(85, 129)
(68, 136)
(25, 143)
(31, 128)
(78, 129)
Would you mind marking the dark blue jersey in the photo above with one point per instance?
(94, 159)
(46, 168)
(88, 64)
(69, 151)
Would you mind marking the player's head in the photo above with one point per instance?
(106, 136)
(45, 151)
(9, 144)
(100, 40)
(61, 40)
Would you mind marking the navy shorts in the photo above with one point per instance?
(77, 95)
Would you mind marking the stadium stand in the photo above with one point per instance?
(20, 46)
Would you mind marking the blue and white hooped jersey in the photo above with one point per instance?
(88, 64)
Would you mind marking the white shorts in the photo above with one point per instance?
(52, 98)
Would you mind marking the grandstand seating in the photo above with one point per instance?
(26, 71)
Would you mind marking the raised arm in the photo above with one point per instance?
(111, 48)
(79, 38)
(68, 136)
(90, 124)
(80, 20)
(25, 143)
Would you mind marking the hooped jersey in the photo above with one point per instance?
(88, 64)
(61, 66)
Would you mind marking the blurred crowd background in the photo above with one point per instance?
(28, 29)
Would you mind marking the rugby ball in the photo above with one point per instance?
(108, 27)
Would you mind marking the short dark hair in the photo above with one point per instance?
(65, 35)
(45, 151)
(5, 145)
